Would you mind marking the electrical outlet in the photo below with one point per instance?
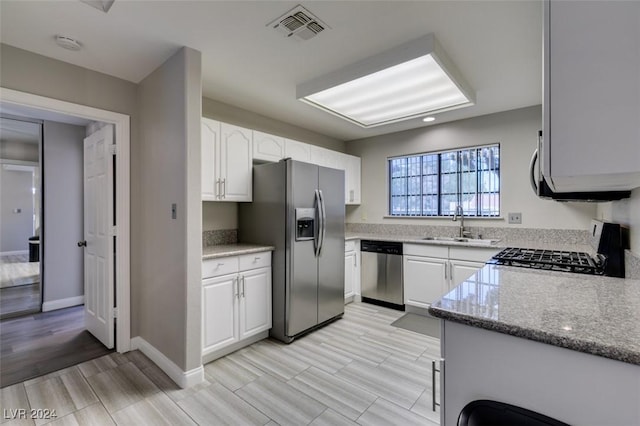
(515, 217)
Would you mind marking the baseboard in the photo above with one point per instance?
(52, 305)
(211, 356)
(184, 379)
(14, 253)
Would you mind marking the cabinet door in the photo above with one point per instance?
(461, 270)
(210, 135)
(349, 273)
(235, 163)
(255, 301)
(219, 312)
(267, 147)
(297, 150)
(352, 180)
(592, 95)
(425, 280)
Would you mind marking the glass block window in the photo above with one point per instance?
(435, 183)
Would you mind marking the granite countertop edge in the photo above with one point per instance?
(213, 252)
(589, 347)
(498, 245)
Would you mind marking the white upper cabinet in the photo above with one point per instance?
(268, 147)
(226, 162)
(210, 135)
(228, 152)
(297, 150)
(591, 139)
(235, 163)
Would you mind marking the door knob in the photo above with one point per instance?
(82, 243)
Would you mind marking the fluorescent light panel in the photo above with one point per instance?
(413, 86)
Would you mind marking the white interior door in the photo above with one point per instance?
(98, 240)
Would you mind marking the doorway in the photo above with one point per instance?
(19, 103)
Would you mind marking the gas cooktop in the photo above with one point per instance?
(552, 260)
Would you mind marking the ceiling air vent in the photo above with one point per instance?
(298, 22)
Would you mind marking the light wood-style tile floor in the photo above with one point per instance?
(359, 370)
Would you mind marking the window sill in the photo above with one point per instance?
(444, 217)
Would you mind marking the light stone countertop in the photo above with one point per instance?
(224, 250)
(587, 313)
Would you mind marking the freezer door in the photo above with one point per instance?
(302, 285)
(331, 258)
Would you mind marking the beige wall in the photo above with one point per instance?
(515, 131)
(167, 137)
(223, 215)
(219, 215)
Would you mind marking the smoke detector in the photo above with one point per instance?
(68, 43)
(298, 23)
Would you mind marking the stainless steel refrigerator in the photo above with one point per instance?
(299, 209)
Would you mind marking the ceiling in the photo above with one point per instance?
(497, 46)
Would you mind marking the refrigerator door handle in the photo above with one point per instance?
(323, 221)
(316, 237)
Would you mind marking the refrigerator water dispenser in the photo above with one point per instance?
(305, 224)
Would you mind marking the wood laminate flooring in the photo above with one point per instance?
(33, 345)
(359, 370)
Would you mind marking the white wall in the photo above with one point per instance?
(16, 150)
(167, 295)
(16, 209)
(626, 212)
(63, 208)
(516, 131)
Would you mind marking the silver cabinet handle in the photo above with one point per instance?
(218, 189)
(434, 370)
(242, 278)
(445, 271)
(355, 260)
(224, 188)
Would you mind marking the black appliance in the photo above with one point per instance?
(494, 413)
(543, 190)
(608, 239)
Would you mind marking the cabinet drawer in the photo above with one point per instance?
(473, 254)
(349, 245)
(426, 250)
(255, 260)
(219, 266)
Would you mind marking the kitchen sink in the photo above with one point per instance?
(475, 241)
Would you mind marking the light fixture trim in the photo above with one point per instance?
(429, 119)
(423, 55)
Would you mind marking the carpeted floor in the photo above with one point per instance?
(428, 326)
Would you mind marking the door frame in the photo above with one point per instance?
(122, 126)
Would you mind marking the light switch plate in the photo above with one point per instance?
(515, 217)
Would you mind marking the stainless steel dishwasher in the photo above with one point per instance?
(381, 263)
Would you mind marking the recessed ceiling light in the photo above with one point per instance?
(68, 43)
(409, 81)
(428, 119)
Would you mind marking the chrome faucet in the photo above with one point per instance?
(459, 212)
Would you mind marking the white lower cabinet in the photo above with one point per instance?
(425, 280)
(351, 270)
(430, 271)
(236, 301)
